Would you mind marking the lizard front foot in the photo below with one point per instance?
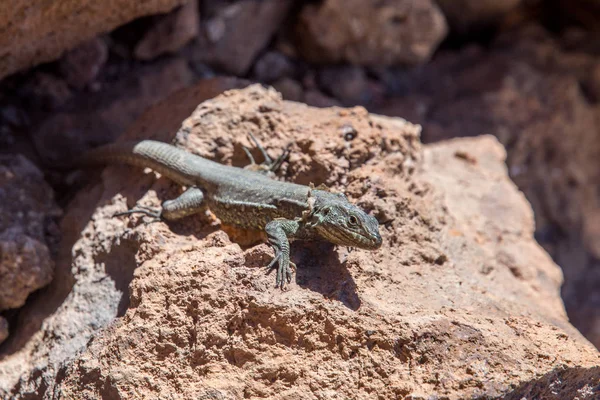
(284, 272)
(278, 231)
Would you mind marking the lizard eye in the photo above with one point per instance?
(353, 220)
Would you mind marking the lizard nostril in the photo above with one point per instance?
(378, 240)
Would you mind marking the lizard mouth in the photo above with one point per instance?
(373, 242)
(366, 241)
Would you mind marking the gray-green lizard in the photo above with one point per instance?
(248, 199)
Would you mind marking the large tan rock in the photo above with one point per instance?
(539, 97)
(459, 302)
(37, 31)
(369, 33)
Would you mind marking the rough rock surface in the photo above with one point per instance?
(460, 301)
(36, 31)
(541, 101)
(369, 33)
(466, 15)
(28, 234)
(82, 297)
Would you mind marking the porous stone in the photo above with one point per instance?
(460, 301)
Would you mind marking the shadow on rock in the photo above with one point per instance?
(561, 383)
(44, 303)
(320, 270)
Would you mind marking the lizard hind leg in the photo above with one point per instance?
(269, 165)
(188, 203)
(268, 161)
(279, 160)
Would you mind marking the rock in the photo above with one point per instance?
(45, 91)
(465, 16)
(360, 32)
(27, 231)
(527, 92)
(13, 116)
(36, 31)
(170, 33)
(272, 66)
(315, 98)
(349, 84)
(469, 307)
(84, 297)
(7, 137)
(582, 12)
(592, 85)
(234, 34)
(12, 120)
(289, 89)
(105, 114)
(3, 329)
(26, 267)
(202, 71)
(81, 65)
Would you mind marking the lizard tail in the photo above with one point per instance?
(168, 160)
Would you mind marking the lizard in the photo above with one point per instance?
(247, 198)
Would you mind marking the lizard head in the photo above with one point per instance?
(341, 222)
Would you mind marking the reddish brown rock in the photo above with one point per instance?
(32, 32)
(534, 96)
(459, 302)
(369, 33)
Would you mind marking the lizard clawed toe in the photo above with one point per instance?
(271, 265)
(284, 273)
(150, 212)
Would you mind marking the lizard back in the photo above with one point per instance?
(236, 196)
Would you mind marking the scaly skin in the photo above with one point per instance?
(249, 199)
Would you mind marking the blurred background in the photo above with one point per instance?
(75, 74)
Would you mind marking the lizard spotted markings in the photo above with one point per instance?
(248, 199)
